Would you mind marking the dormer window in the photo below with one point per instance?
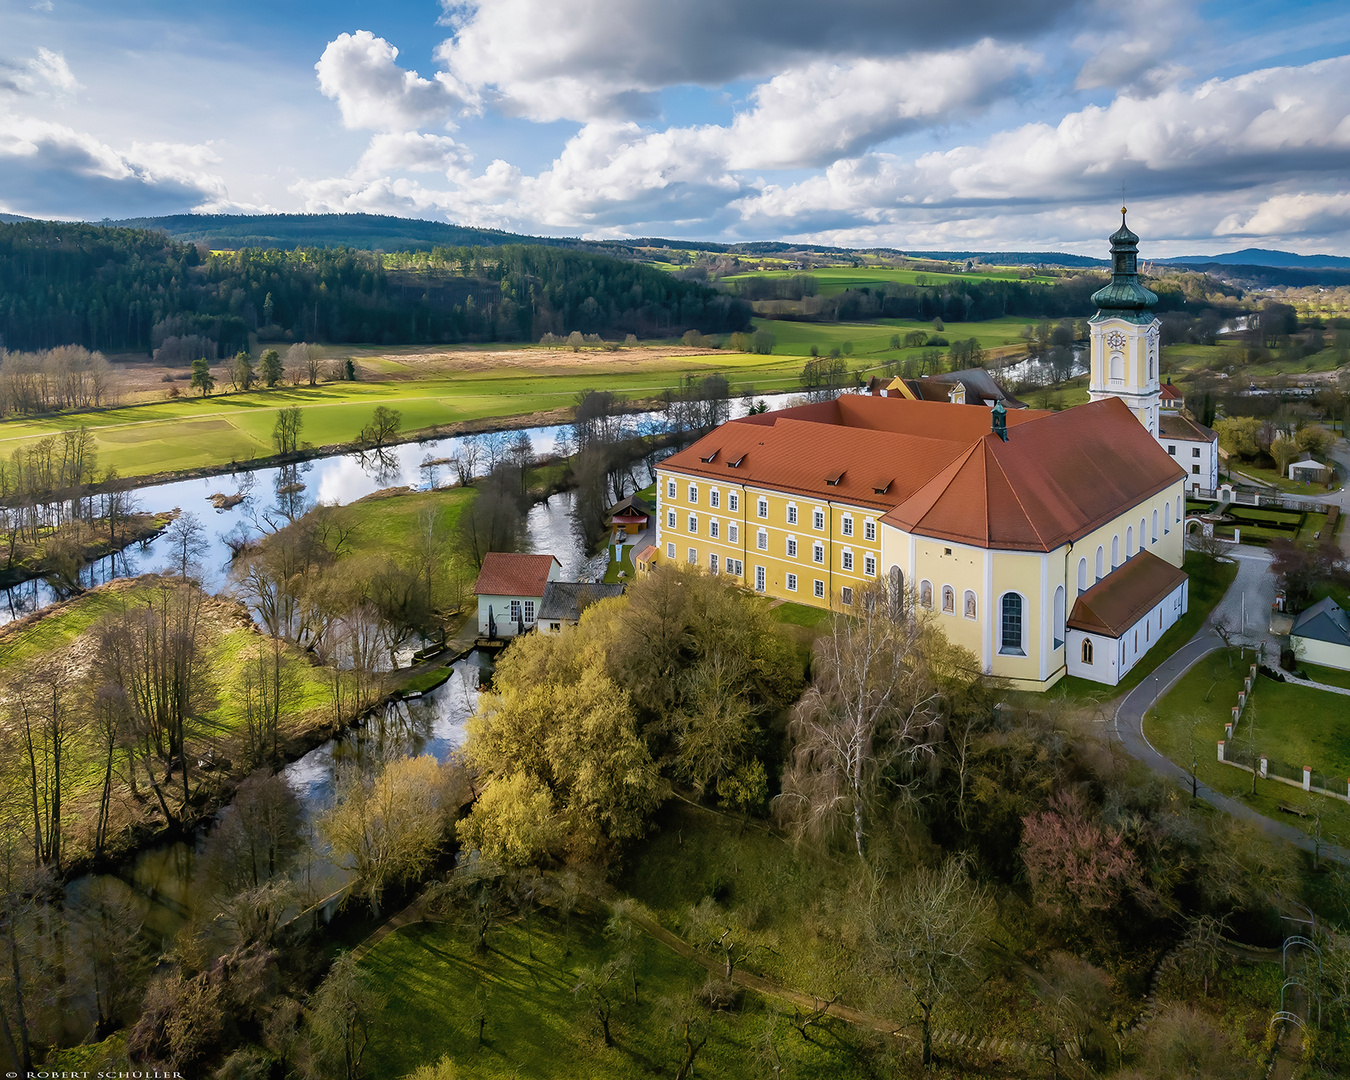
(709, 459)
(880, 487)
(833, 478)
(736, 464)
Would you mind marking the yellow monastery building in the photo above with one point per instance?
(1045, 542)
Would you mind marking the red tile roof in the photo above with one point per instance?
(952, 478)
(1170, 392)
(509, 574)
(1176, 426)
(1125, 595)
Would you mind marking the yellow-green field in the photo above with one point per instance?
(193, 432)
(835, 279)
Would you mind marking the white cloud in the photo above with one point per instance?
(50, 169)
(604, 59)
(51, 67)
(1292, 214)
(360, 72)
(1132, 45)
(410, 151)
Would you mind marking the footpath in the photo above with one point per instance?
(1254, 583)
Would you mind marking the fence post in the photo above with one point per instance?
(1236, 713)
(1262, 771)
(1242, 700)
(1307, 777)
(1221, 757)
(1252, 673)
(1228, 731)
(1247, 685)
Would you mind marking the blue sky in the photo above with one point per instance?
(973, 124)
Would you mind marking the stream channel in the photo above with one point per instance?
(165, 879)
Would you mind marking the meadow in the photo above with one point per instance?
(439, 388)
(836, 279)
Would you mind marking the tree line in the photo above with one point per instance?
(119, 290)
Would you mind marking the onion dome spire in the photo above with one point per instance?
(1125, 297)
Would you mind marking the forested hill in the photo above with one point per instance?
(371, 232)
(119, 289)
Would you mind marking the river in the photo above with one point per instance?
(166, 880)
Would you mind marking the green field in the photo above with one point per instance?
(191, 433)
(835, 279)
(436, 986)
(1192, 358)
(1294, 724)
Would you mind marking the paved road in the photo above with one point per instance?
(1254, 582)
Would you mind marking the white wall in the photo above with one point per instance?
(501, 611)
(1114, 657)
(1325, 653)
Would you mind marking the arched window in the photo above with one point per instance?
(1178, 507)
(948, 600)
(1010, 627)
(1155, 526)
(1129, 540)
(1087, 650)
(1117, 367)
(1142, 533)
(1082, 571)
(1115, 551)
(970, 606)
(1101, 553)
(1167, 518)
(1059, 617)
(926, 594)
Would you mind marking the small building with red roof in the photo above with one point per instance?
(510, 590)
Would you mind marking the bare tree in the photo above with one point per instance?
(186, 539)
(286, 432)
(465, 460)
(869, 714)
(928, 934)
(44, 717)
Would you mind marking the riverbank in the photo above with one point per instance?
(79, 544)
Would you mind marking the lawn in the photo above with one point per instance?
(1210, 579)
(800, 614)
(387, 520)
(872, 341)
(1330, 676)
(1294, 724)
(436, 986)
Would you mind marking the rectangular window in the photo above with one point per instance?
(848, 560)
(693, 523)
(735, 567)
(693, 556)
(819, 588)
(693, 493)
(792, 547)
(529, 612)
(670, 489)
(712, 563)
(762, 540)
(1172, 450)
(818, 519)
(846, 595)
(760, 576)
(847, 526)
(818, 553)
(1195, 469)
(792, 515)
(792, 582)
(869, 565)
(670, 519)
(715, 498)
(670, 551)
(762, 508)
(515, 611)
(1195, 451)
(733, 502)
(733, 533)
(869, 530)
(713, 529)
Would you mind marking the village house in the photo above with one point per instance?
(510, 591)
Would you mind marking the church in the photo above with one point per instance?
(1047, 543)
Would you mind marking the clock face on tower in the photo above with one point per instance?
(1115, 339)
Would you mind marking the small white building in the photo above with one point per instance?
(1321, 635)
(510, 589)
(1195, 447)
(1121, 617)
(1309, 470)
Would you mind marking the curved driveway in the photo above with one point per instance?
(1253, 582)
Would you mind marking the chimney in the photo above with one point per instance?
(1000, 415)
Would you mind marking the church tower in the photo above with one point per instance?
(1125, 335)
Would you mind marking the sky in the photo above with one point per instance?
(968, 124)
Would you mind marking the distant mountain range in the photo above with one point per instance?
(1261, 257)
(10, 219)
